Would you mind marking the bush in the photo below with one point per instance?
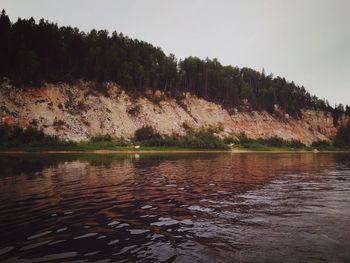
(101, 138)
(255, 145)
(214, 128)
(204, 139)
(106, 140)
(229, 140)
(296, 144)
(342, 138)
(15, 133)
(200, 140)
(269, 142)
(274, 142)
(146, 133)
(321, 145)
(243, 138)
(13, 136)
(32, 134)
(122, 142)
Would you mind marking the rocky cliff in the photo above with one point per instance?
(77, 112)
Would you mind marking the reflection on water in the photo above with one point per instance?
(182, 208)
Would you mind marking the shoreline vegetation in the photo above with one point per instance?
(14, 139)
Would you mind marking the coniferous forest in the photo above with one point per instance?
(35, 52)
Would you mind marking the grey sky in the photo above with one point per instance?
(307, 41)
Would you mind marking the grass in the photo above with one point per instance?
(32, 140)
(266, 148)
(94, 147)
(261, 147)
(89, 146)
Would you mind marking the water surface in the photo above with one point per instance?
(250, 207)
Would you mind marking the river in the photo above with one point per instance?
(204, 207)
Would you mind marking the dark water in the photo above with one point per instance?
(175, 208)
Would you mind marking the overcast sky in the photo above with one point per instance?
(307, 41)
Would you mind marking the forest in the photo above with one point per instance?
(32, 53)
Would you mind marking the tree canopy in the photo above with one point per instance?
(32, 53)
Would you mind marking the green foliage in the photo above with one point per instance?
(32, 53)
(230, 140)
(121, 142)
(342, 138)
(219, 127)
(201, 140)
(337, 113)
(101, 138)
(255, 145)
(243, 138)
(13, 136)
(105, 142)
(275, 142)
(146, 133)
(296, 144)
(321, 145)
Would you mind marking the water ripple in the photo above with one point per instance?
(192, 208)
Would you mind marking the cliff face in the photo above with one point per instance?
(77, 112)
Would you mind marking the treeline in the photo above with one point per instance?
(32, 53)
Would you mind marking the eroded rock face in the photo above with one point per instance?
(77, 112)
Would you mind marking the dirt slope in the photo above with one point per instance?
(77, 112)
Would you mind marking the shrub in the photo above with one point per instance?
(107, 141)
(214, 128)
(200, 140)
(243, 138)
(146, 133)
(205, 139)
(162, 141)
(274, 142)
(101, 138)
(220, 126)
(321, 144)
(122, 142)
(342, 138)
(16, 136)
(296, 144)
(31, 134)
(15, 133)
(271, 142)
(229, 140)
(254, 144)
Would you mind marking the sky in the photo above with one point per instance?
(305, 41)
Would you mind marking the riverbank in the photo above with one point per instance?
(15, 139)
(133, 150)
